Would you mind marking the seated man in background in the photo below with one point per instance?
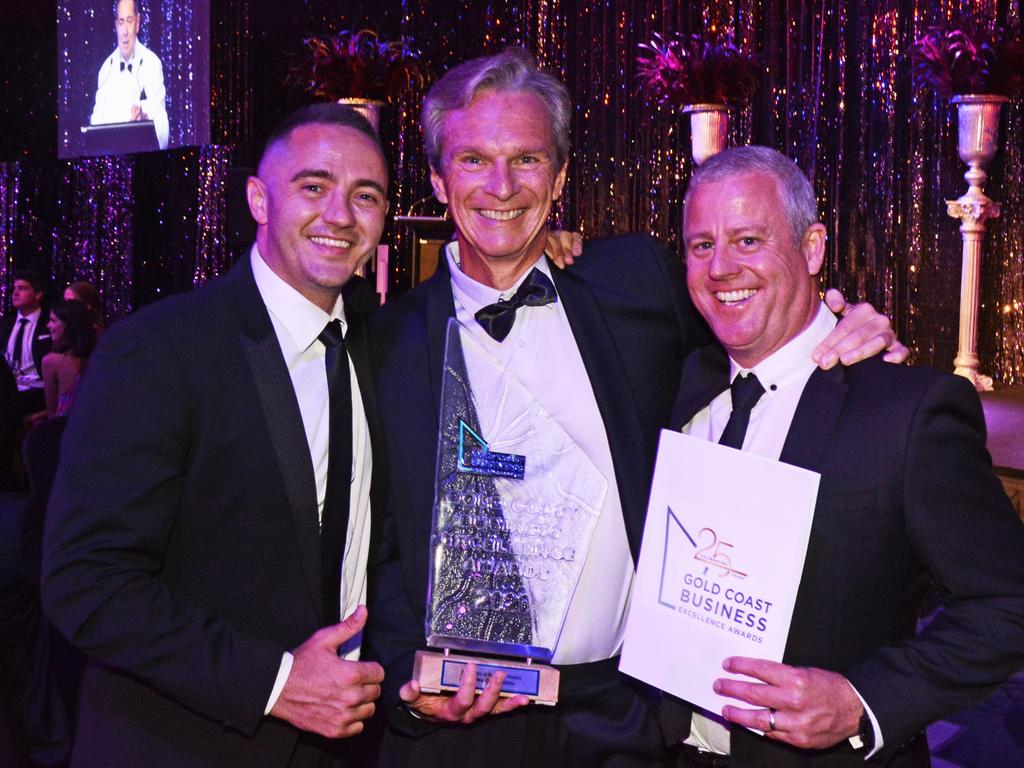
(27, 338)
(907, 498)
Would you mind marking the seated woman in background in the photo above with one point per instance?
(90, 297)
(74, 338)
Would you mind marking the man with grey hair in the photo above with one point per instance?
(598, 345)
(907, 498)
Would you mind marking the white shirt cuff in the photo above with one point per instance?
(855, 741)
(282, 678)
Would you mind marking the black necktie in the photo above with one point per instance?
(334, 522)
(746, 391)
(123, 65)
(19, 344)
(497, 319)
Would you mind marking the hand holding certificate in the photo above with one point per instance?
(719, 568)
(803, 706)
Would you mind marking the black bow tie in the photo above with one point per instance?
(497, 319)
(123, 65)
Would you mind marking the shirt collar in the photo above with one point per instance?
(302, 319)
(472, 294)
(32, 317)
(794, 358)
(130, 60)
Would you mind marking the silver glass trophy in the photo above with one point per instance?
(516, 503)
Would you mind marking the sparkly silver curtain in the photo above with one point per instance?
(180, 31)
(10, 178)
(26, 233)
(835, 95)
(211, 205)
(94, 238)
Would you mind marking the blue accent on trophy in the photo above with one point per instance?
(484, 461)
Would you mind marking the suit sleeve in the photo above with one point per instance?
(124, 462)
(964, 529)
(395, 630)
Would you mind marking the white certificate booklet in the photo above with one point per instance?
(723, 550)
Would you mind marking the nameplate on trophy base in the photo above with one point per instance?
(437, 672)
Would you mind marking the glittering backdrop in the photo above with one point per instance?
(93, 239)
(835, 95)
(10, 177)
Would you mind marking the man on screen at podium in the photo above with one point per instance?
(907, 498)
(130, 85)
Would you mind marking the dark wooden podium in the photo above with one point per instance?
(119, 138)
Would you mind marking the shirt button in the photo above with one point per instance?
(522, 343)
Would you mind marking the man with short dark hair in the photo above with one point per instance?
(26, 338)
(130, 83)
(598, 346)
(907, 499)
(209, 524)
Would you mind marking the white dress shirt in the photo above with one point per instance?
(297, 323)
(783, 375)
(25, 369)
(119, 88)
(541, 353)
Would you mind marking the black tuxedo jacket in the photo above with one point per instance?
(907, 498)
(182, 551)
(41, 343)
(626, 303)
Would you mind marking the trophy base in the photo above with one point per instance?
(442, 671)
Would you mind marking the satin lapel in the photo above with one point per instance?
(614, 398)
(815, 418)
(705, 375)
(284, 421)
(436, 308)
(439, 308)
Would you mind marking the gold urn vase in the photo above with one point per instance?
(368, 108)
(978, 127)
(709, 130)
